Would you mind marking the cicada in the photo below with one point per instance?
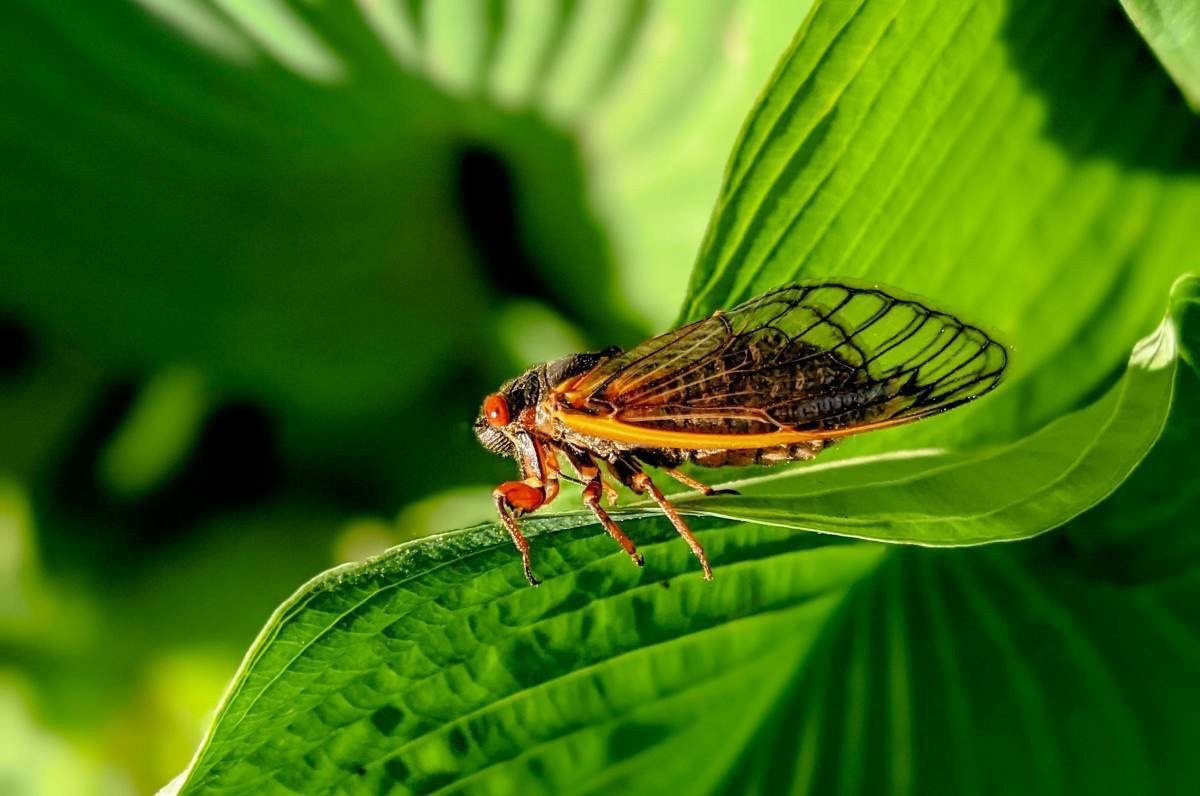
(776, 379)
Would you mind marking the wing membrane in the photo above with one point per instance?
(819, 359)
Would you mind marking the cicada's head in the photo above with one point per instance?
(504, 424)
(499, 426)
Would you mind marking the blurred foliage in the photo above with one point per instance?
(262, 259)
(1172, 29)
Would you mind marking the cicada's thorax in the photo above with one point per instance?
(549, 426)
(550, 379)
(601, 448)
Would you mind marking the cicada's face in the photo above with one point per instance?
(495, 427)
(498, 426)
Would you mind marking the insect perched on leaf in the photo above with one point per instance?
(775, 379)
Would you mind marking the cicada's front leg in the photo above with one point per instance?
(512, 499)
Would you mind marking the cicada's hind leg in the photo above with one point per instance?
(593, 488)
(513, 498)
(636, 479)
(692, 483)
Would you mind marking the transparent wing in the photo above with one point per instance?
(804, 357)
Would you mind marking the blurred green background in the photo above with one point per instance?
(261, 260)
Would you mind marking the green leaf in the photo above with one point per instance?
(1019, 162)
(226, 211)
(435, 666)
(1172, 29)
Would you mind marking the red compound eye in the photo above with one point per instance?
(495, 409)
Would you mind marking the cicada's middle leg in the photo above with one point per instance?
(593, 488)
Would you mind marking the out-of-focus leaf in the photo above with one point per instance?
(22, 599)
(161, 427)
(41, 406)
(1172, 29)
(263, 193)
(1020, 162)
(662, 131)
(167, 205)
(435, 666)
(459, 507)
(34, 760)
(315, 205)
(530, 333)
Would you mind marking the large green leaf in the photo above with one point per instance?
(435, 666)
(1021, 162)
(1172, 28)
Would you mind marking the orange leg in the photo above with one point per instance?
(592, 490)
(692, 483)
(591, 499)
(513, 498)
(640, 482)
